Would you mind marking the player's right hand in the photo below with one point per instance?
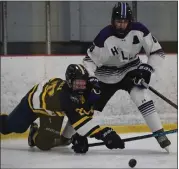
(80, 144)
(111, 139)
(142, 73)
(95, 92)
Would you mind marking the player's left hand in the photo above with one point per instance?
(142, 73)
(93, 83)
(111, 139)
(80, 144)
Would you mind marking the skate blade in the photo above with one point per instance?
(167, 149)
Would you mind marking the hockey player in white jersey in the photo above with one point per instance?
(113, 59)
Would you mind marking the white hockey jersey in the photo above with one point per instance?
(110, 58)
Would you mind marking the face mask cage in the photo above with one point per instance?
(79, 85)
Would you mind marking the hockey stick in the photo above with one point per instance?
(158, 94)
(138, 137)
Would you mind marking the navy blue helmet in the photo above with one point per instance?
(121, 10)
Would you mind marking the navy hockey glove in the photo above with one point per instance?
(93, 83)
(80, 144)
(95, 92)
(143, 72)
(111, 139)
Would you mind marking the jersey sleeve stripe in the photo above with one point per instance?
(88, 128)
(93, 131)
(160, 52)
(41, 111)
(31, 94)
(53, 79)
(35, 97)
(88, 59)
(60, 113)
(81, 122)
(42, 96)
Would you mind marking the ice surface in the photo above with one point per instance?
(147, 152)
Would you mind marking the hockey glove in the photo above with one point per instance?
(143, 72)
(80, 144)
(93, 83)
(95, 92)
(111, 139)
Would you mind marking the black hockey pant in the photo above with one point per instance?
(108, 90)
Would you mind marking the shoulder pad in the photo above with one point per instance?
(103, 35)
(140, 27)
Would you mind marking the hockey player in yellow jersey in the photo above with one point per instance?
(53, 99)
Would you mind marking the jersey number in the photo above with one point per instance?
(52, 86)
(83, 112)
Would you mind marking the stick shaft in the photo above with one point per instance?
(138, 137)
(159, 94)
(163, 97)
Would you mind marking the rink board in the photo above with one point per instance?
(119, 129)
(20, 73)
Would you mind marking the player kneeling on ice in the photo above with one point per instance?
(113, 59)
(53, 99)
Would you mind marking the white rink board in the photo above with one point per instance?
(19, 74)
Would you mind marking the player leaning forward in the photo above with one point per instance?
(50, 101)
(114, 61)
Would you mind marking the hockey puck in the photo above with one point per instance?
(132, 163)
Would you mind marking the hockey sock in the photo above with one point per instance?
(150, 115)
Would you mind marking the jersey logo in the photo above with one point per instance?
(135, 40)
(114, 51)
(75, 99)
(78, 100)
